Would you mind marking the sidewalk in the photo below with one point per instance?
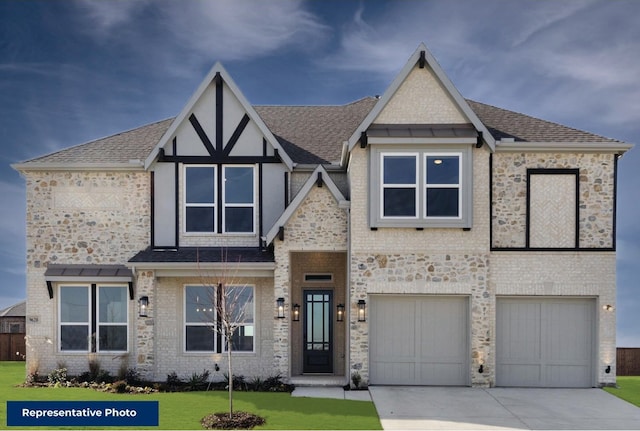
(330, 392)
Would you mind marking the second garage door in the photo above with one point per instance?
(419, 340)
(544, 342)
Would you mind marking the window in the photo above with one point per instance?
(442, 186)
(399, 185)
(424, 187)
(200, 198)
(82, 330)
(201, 318)
(238, 199)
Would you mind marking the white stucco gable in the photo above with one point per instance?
(202, 105)
(319, 178)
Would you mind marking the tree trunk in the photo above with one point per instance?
(230, 377)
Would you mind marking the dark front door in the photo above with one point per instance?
(318, 345)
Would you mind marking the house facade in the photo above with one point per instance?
(416, 238)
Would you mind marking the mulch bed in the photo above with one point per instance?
(239, 420)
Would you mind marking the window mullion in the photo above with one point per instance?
(93, 329)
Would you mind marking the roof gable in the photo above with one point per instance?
(221, 136)
(318, 177)
(422, 57)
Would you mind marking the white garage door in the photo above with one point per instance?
(419, 340)
(545, 342)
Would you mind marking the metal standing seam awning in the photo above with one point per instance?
(88, 273)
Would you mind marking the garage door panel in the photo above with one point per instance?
(418, 340)
(544, 342)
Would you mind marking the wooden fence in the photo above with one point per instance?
(628, 361)
(12, 347)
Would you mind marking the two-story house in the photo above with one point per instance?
(412, 238)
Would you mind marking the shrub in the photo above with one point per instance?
(198, 381)
(132, 377)
(59, 375)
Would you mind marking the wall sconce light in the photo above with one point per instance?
(607, 307)
(143, 306)
(340, 314)
(362, 310)
(296, 312)
(481, 369)
(280, 307)
(608, 369)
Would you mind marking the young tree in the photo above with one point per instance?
(225, 307)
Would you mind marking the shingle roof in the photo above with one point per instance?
(15, 310)
(314, 134)
(309, 134)
(508, 124)
(228, 255)
(120, 148)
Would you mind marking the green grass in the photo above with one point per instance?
(628, 389)
(183, 410)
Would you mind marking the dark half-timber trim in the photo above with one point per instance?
(201, 134)
(236, 135)
(576, 174)
(152, 203)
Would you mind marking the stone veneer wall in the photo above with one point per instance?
(317, 225)
(78, 218)
(431, 261)
(510, 195)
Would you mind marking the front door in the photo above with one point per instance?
(318, 345)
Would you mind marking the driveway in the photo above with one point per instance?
(501, 408)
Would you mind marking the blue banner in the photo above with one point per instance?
(82, 413)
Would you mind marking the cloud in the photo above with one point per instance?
(105, 16)
(226, 30)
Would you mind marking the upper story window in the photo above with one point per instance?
(425, 188)
(442, 185)
(220, 199)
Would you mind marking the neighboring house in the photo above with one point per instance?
(417, 238)
(12, 332)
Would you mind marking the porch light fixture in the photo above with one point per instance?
(340, 313)
(296, 312)
(607, 307)
(362, 310)
(608, 369)
(481, 369)
(280, 307)
(143, 306)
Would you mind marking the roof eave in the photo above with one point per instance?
(546, 147)
(59, 166)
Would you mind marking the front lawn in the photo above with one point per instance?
(628, 389)
(183, 410)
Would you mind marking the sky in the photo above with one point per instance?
(74, 71)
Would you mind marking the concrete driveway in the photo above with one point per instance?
(501, 408)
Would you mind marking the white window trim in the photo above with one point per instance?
(253, 313)
(91, 330)
(427, 186)
(99, 323)
(209, 324)
(61, 324)
(201, 323)
(200, 205)
(415, 185)
(252, 205)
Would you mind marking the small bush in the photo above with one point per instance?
(198, 381)
(132, 376)
(59, 375)
(120, 386)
